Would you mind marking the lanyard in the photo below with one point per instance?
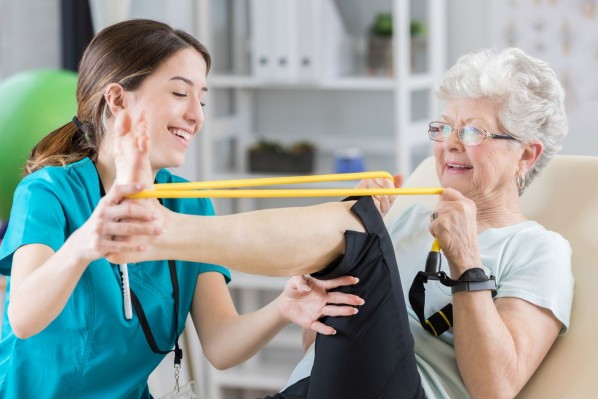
(147, 331)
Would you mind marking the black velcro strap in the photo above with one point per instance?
(440, 321)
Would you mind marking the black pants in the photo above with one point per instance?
(371, 355)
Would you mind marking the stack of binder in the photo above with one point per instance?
(298, 40)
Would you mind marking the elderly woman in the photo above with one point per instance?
(503, 121)
(512, 287)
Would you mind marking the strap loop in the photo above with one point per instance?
(471, 280)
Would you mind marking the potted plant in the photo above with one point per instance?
(273, 157)
(380, 45)
(380, 48)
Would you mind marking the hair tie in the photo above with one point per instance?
(81, 131)
(77, 122)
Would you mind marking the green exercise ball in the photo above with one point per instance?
(32, 104)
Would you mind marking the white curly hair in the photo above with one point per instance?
(530, 97)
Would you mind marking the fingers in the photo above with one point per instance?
(343, 299)
(339, 282)
(322, 328)
(141, 135)
(398, 180)
(333, 311)
(132, 210)
(338, 311)
(119, 191)
(122, 123)
(382, 202)
(113, 248)
(301, 283)
(121, 229)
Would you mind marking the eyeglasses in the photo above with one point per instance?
(468, 135)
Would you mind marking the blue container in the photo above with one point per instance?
(349, 160)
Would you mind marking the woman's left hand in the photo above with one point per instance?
(454, 224)
(382, 202)
(306, 299)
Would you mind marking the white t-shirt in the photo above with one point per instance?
(528, 261)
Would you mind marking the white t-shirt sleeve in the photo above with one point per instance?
(536, 267)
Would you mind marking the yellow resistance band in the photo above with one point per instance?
(214, 189)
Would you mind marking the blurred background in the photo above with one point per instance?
(297, 87)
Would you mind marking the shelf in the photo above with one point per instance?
(268, 378)
(250, 281)
(371, 145)
(352, 83)
(290, 337)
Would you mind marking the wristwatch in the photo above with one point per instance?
(474, 279)
(489, 284)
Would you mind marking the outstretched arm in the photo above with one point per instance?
(276, 242)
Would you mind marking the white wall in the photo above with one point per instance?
(467, 27)
(538, 30)
(29, 35)
(30, 38)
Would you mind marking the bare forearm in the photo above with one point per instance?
(237, 338)
(40, 297)
(276, 242)
(485, 350)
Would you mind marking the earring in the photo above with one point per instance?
(520, 181)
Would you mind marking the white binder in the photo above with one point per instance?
(298, 40)
(262, 43)
(284, 20)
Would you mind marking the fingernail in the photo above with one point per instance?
(356, 280)
(362, 301)
(355, 311)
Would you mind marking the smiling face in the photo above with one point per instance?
(482, 172)
(171, 99)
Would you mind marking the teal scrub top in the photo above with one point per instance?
(90, 349)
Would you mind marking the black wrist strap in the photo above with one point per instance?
(147, 331)
(472, 280)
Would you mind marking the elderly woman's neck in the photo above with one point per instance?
(498, 212)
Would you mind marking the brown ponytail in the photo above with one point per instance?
(65, 145)
(124, 53)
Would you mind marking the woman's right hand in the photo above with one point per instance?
(117, 226)
(454, 224)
